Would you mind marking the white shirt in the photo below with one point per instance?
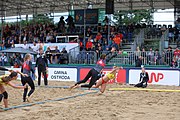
(25, 46)
(3, 58)
(35, 48)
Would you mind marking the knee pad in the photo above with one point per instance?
(1, 97)
(5, 94)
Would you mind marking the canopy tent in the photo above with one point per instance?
(26, 7)
(18, 50)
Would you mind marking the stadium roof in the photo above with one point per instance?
(23, 7)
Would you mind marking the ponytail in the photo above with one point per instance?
(6, 79)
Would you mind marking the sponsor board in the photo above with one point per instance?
(60, 74)
(159, 77)
(52, 46)
(120, 77)
(55, 74)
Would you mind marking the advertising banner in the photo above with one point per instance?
(52, 46)
(159, 77)
(61, 74)
(120, 77)
(55, 74)
(91, 16)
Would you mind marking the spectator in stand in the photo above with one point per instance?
(118, 39)
(105, 46)
(61, 25)
(171, 34)
(54, 38)
(25, 45)
(138, 62)
(110, 41)
(40, 44)
(8, 44)
(97, 46)
(130, 29)
(81, 45)
(106, 20)
(144, 56)
(88, 33)
(114, 45)
(55, 55)
(176, 34)
(137, 52)
(150, 56)
(15, 61)
(169, 56)
(177, 53)
(35, 47)
(31, 38)
(12, 44)
(95, 43)
(64, 57)
(99, 51)
(157, 57)
(89, 44)
(174, 63)
(48, 54)
(3, 60)
(70, 23)
(41, 38)
(98, 36)
(48, 38)
(16, 40)
(16, 65)
(26, 38)
(2, 44)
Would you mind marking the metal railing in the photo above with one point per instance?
(126, 58)
(164, 40)
(147, 57)
(82, 57)
(138, 40)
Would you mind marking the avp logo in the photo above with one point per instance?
(155, 77)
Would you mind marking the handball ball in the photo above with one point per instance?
(125, 53)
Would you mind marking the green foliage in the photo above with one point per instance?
(40, 18)
(134, 16)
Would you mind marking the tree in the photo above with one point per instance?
(134, 16)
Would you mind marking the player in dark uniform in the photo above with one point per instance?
(27, 68)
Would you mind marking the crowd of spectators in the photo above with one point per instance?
(96, 38)
(154, 57)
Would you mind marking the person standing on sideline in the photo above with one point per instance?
(42, 66)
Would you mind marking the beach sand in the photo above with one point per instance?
(111, 105)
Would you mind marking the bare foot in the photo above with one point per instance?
(71, 87)
(1, 109)
(28, 99)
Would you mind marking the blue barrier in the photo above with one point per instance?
(42, 102)
(67, 87)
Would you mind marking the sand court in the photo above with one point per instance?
(111, 105)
